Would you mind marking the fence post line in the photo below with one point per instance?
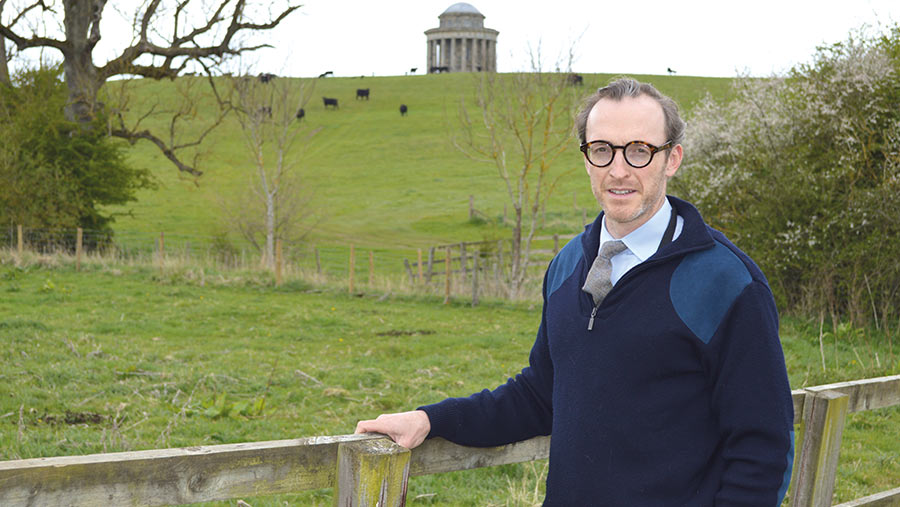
(412, 279)
(371, 268)
(471, 206)
(447, 278)
(21, 241)
(420, 266)
(824, 414)
(371, 473)
(352, 267)
(278, 262)
(555, 244)
(79, 235)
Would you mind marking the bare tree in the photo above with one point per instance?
(276, 204)
(167, 37)
(524, 123)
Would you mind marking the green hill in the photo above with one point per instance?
(379, 179)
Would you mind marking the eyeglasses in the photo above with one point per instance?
(637, 153)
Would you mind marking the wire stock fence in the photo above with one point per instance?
(465, 269)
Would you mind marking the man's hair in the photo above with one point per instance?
(628, 87)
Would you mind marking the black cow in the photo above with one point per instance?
(362, 93)
(403, 109)
(326, 73)
(575, 79)
(300, 114)
(670, 71)
(413, 70)
(330, 102)
(265, 77)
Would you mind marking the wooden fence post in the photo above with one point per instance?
(162, 248)
(447, 278)
(352, 267)
(371, 473)
(21, 242)
(79, 234)
(279, 261)
(475, 279)
(463, 262)
(420, 266)
(555, 244)
(318, 264)
(819, 446)
(430, 264)
(412, 279)
(371, 268)
(471, 206)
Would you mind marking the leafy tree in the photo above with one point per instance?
(52, 172)
(803, 172)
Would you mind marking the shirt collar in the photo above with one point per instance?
(643, 241)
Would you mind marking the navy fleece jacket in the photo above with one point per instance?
(678, 396)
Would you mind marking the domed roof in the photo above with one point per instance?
(462, 8)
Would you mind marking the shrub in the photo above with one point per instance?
(803, 171)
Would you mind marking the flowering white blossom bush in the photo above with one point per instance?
(803, 172)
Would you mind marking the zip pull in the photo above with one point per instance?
(591, 322)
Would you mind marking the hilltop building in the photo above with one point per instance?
(461, 43)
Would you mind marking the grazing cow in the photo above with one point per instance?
(265, 77)
(413, 70)
(670, 71)
(326, 73)
(362, 93)
(403, 109)
(575, 79)
(300, 114)
(330, 102)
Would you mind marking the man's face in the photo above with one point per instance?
(630, 196)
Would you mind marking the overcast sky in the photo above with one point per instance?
(703, 37)
(694, 37)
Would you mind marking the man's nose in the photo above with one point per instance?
(619, 168)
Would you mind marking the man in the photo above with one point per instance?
(667, 388)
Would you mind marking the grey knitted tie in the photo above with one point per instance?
(598, 283)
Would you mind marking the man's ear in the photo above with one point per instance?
(673, 161)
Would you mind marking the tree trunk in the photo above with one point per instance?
(82, 17)
(4, 65)
(270, 230)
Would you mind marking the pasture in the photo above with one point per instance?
(379, 179)
(128, 357)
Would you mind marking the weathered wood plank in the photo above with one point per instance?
(798, 396)
(824, 414)
(372, 473)
(866, 394)
(884, 499)
(437, 455)
(174, 476)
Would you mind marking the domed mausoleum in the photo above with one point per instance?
(462, 43)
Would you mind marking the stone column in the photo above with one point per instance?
(429, 56)
(470, 54)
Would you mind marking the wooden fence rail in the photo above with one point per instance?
(372, 470)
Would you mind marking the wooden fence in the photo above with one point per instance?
(371, 470)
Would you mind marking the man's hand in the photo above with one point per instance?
(408, 429)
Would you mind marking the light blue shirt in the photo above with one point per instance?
(641, 242)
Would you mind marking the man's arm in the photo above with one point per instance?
(408, 429)
(752, 398)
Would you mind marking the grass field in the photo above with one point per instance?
(127, 357)
(380, 180)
